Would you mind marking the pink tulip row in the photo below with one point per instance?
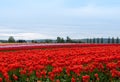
(53, 45)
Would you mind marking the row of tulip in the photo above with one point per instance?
(73, 64)
(47, 45)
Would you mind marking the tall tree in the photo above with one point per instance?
(62, 40)
(68, 40)
(11, 39)
(97, 40)
(87, 40)
(113, 40)
(117, 40)
(109, 40)
(102, 40)
(58, 40)
(94, 40)
(90, 40)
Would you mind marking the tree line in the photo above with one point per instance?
(102, 40)
(66, 40)
(58, 40)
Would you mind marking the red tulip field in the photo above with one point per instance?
(60, 63)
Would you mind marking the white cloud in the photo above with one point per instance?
(26, 36)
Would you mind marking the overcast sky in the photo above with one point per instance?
(41, 19)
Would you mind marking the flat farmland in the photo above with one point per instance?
(59, 62)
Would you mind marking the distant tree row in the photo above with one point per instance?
(67, 40)
(12, 40)
(101, 40)
(61, 40)
(58, 40)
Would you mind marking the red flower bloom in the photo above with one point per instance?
(73, 79)
(86, 78)
(57, 80)
(96, 76)
(15, 77)
(0, 79)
